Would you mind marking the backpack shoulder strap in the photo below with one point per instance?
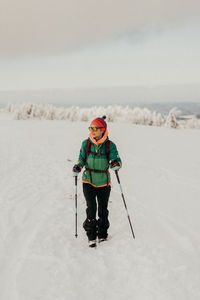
(88, 148)
(107, 149)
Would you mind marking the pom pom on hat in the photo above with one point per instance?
(99, 122)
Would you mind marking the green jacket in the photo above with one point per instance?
(96, 162)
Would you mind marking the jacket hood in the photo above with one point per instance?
(101, 141)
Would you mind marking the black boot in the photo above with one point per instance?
(92, 244)
(90, 227)
(103, 226)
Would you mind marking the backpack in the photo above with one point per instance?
(88, 151)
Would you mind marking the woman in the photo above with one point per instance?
(95, 154)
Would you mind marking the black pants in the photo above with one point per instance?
(92, 226)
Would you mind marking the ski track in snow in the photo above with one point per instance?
(40, 257)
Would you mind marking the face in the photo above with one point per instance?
(97, 134)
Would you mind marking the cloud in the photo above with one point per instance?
(49, 26)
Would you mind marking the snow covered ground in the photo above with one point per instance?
(39, 255)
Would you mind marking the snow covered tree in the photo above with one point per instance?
(193, 123)
(171, 120)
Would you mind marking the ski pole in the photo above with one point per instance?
(76, 206)
(117, 175)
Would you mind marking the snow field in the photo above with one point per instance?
(39, 255)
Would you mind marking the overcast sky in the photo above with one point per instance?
(69, 44)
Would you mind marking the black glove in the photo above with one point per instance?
(77, 168)
(114, 163)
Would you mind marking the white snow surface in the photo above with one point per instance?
(40, 258)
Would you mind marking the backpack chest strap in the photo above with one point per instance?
(98, 171)
(94, 153)
(88, 151)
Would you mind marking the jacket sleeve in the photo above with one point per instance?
(113, 153)
(82, 158)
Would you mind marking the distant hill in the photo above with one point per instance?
(160, 98)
